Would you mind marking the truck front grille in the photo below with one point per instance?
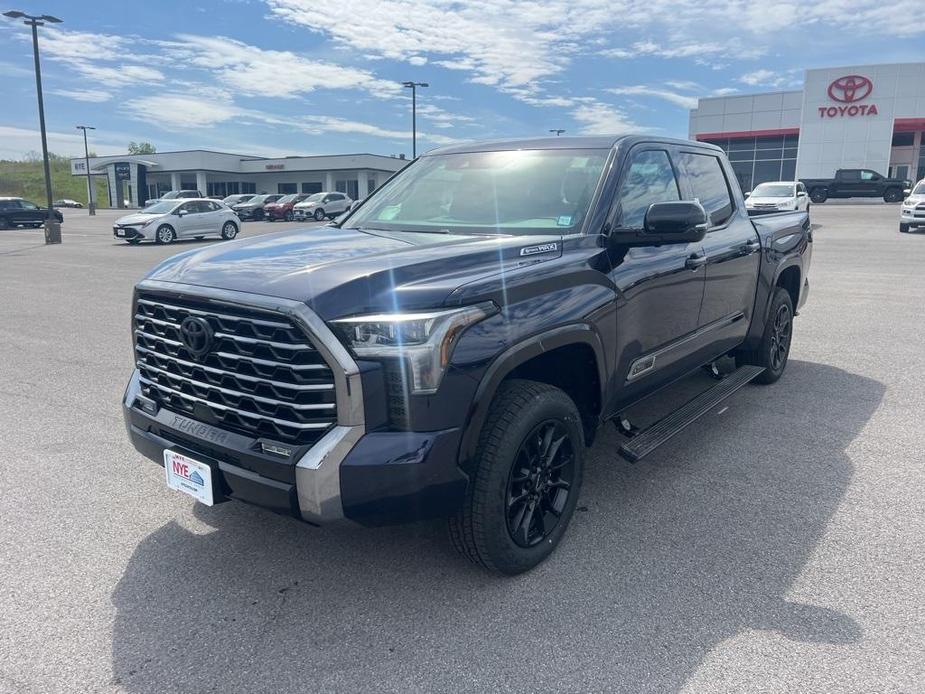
(262, 377)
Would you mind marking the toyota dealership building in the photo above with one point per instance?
(854, 117)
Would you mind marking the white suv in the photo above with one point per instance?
(321, 205)
(169, 220)
(912, 214)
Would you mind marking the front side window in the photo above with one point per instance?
(709, 185)
(869, 176)
(504, 192)
(649, 179)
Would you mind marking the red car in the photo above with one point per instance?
(282, 208)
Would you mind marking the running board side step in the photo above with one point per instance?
(649, 439)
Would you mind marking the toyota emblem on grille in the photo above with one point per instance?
(850, 88)
(196, 334)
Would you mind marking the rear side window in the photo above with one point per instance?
(649, 179)
(709, 185)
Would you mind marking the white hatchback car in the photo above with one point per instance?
(321, 205)
(169, 220)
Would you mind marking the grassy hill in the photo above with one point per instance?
(26, 179)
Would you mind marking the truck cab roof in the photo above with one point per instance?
(566, 142)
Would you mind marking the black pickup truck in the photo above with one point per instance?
(451, 347)
(856, 183)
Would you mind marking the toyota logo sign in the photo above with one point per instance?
(196, 335)
(850, 88)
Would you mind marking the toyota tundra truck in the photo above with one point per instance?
(856, 183)
(452, 346)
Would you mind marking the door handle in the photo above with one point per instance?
(695, 261)
(751, 247)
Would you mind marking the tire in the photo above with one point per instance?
(893, 195)
(773, 351)
(493, 529)
(819, 195)
(319, 215)
(5, 223)
(165, 234)
(229, 230)
(258, 215)
(288, 216)
(904, 228)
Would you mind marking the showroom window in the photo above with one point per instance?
(351, 187)
(249, 188)
(287, 188)
(311, 187)
(759, 159)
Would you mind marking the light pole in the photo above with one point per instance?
(52, 228)
(557, 131)
(90, 204)
(414, 114)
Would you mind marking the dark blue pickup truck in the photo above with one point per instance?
(451, 347)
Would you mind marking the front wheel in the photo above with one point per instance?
(525, 487)
(774, 350)
(319, 215)
(819, 195)
(893, 195)
(229, 231)
(903, 228)
(288, 216)
(165, 234)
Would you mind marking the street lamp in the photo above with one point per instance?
(90, 204)
(414, 114)
(557, 131)
(52, 228)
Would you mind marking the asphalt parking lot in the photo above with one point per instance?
(780, 546)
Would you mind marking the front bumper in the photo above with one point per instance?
(128, 233)
(377, 478)
(911, 218)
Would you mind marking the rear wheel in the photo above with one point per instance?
(774, 350)
(525, 487)
(819, 195)
(165, 234)
(319, 215)
(5, 223)
(229, 231)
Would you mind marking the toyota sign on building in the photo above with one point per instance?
(856, 117)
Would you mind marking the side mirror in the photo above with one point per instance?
(181, 213)
(907, 192)
(801, 194)
(676, 222)
(748, 193)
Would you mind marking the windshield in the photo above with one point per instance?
(287, 199)
(317, 197)
(159, 208)
(509, 192)
(170, 195)
(773, 190)
(256, 200)
(919, 189)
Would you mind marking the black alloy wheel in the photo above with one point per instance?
(539, 484)
(781, 334)
(818, 195)
(893, 195)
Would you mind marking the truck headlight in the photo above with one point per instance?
(422, 343)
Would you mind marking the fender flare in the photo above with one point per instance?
(510, 359)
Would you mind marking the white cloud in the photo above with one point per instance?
(16, 142)
(770, 78)
(682, 100)
(91, 95)
(181, 111)
(598, 118)
(250, 70)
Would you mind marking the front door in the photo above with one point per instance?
(659, 288)
(732, 251)
(190, 221)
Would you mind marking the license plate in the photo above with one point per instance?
(120, 232)
(190, 476)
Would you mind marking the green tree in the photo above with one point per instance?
(141, 148)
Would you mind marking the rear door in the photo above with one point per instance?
(731, 247)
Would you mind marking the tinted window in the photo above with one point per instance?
(849, 175)
(649, 179)
(869, 175)
(25, 204)
(709, 186)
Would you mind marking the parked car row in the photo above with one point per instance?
(187, 214)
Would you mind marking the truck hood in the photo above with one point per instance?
(340, 272)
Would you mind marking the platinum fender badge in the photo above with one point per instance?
(542, 248)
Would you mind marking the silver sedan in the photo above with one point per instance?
(169, 220)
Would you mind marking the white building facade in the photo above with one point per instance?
(135, 178)
(854, 117)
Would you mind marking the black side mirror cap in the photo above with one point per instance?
(676, 222)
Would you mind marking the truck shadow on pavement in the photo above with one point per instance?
(664, 561)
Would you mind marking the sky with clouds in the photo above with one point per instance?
(282, 77)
